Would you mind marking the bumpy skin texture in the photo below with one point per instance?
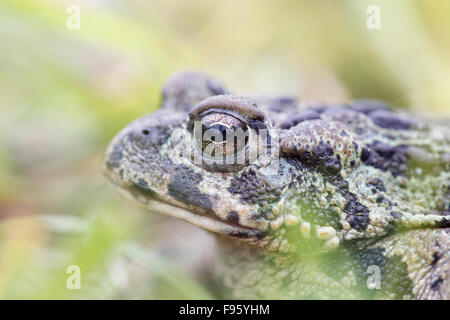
(347, 192)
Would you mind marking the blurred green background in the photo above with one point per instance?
(65, 93)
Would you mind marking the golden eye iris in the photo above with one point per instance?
(222, 135)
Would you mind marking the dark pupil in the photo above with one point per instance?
(218, 128)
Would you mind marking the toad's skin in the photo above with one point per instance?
(351, 201)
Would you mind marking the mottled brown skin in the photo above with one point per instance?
(345, 192)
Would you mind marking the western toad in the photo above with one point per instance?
(308, 200)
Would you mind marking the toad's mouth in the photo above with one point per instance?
(210, 223)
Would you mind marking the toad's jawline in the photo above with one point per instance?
(203, 221)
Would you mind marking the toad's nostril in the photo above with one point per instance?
(146, 132)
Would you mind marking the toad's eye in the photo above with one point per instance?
(225, 131)
(220, 135)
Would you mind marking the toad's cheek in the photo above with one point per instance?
(200, 193)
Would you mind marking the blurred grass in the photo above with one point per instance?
(65, 93)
